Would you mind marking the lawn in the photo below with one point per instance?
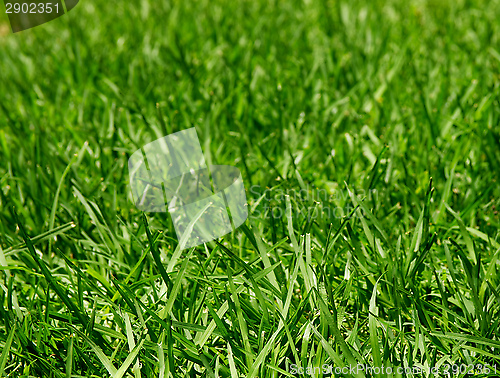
(368, 137)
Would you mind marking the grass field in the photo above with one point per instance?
(368, 137)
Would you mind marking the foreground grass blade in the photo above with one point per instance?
(6, 350)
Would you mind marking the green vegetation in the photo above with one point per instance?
(397, 102)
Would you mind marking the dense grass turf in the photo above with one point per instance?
(391, 108)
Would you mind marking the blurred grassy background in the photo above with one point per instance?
(379, 96)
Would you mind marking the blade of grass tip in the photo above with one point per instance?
(83, 276)
(483, 236)
(291, 285)
(103, 231)
(220, 325)
(263, 273)
(465, 234)
(291, 230)
(249, 234)
(329, 246)
(42, 237)
(200, 340)
(184, 238)
(446, 193)
(153, 315)
(283, 373)
(175, 288)
(468, 339)
(106, 362)
(6, 350)
(328, 348)
(481, 352)
(494, 291)
(374, 171)
(232, 366)
(137, 265)
(161, 356)
(241, 321)
(254, 369)
(189, 228)
(4, 264)
(125, 297)
(170, 349)
(173, 260)
(250, 270)
(309, 265)
(156, 254)
(291, 342)
(90, 327)
(69, 358)
(451, 269)
(305, 343)
(372, 325)
(357, 251)
(472, 274)
(308, 280)
(56, 197)
(270, 162)
(131, 344)
(128, 361)
(48, 275)
(217, 367)
(264, 256)
(332, 322)
(417, 236)
(85, 360)
(260, 298)
(368, 215)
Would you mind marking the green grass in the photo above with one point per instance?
(392, 108)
